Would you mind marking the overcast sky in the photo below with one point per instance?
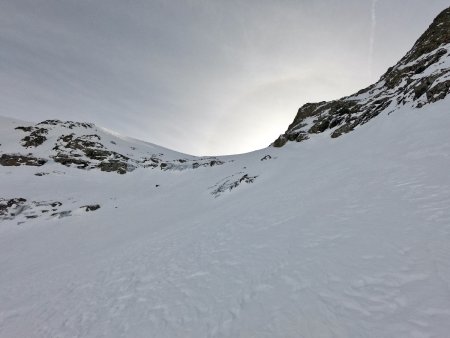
(199, 76)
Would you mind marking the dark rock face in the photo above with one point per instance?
(81, 143)
(86, 152)
(18, 160)
(280, 141)
(247, 179)
(91, 207)
(68, 161)
(25, 129)
(67, 124)
(37, 133)
(438, 91)
(435, 36)
(405, 83)
(11, 207)
(117, 166)
(35, 138)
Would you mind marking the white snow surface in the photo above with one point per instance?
(346, 237)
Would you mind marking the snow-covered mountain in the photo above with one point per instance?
(421, 77)
(107, 236)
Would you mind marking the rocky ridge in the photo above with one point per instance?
(52, 148)
(84, 146)
(421, 77)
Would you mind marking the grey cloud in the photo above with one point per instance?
(198, 76)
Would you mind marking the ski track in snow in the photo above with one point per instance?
(336, 238)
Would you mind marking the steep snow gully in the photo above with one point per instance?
(107, 236)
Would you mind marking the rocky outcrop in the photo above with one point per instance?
(117, 166)
(421, 77)
(181, 164)
(91, 207)
(231, 182)
(87, 152)
(35, 138)
(36, 134)
(19, 159)
(80, 145)
(22, 210)
(67, 124)
(436, 35)
(11, 207)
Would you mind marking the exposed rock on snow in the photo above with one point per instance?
(70, 149)
(11, 207)
(91, 207)
(22, 210)
(421, 77)
(231, 182)
(35, 138)
(18, 160)
(84, 146)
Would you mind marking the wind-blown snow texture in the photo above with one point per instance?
(346, 238)
(106, 236)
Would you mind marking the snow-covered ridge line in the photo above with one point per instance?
(419, 78)
(85, 146)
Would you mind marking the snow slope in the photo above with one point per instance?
(346, 237)
(343, 233)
